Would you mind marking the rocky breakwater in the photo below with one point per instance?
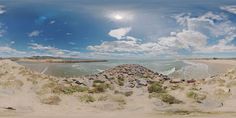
(125, 76)
(128, 80)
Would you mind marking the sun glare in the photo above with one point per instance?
(118, 17)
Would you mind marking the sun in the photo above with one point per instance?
(118, 17)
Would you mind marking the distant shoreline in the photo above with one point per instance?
(214, 58)
(50, 59)
(60, 61)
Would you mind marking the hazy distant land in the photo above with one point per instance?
(50, 59)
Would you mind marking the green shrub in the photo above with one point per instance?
(99, 88)
(102, 98)
(121, 79)
(87, 98)
(52, 100)
(126, 93)
(98, 81)
(167, 98)
(191, 94)
(196, 96)
(156, 87)
(73, 89)
(69, 90)
(120, 82)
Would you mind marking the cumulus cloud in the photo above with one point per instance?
(2, 9)
(204, 22)
(194, 38)
(217, 25)
(190, 40)
(53, 51)
(230, 8)
(7, 51)
(34, 33)
(119, 33)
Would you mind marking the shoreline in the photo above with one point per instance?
(216, 67)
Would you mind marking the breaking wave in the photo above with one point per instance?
(170, 71)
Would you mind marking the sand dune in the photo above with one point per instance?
(124, 91)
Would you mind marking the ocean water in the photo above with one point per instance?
(173, 68)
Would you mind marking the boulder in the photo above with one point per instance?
(141, 82)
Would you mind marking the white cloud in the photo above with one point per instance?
(72, 43)
(52, 22)
(204, 22)
(194, 38)
(2, 9)
(52, 51)
(68, 33)
(230, 8)
(189, 40)
(12, 42)
(34, 33)
(6, 51)
(119, 33)
(219, 48)
(217, 25)
(36, 46)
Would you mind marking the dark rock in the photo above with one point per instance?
(10, 108)
(191, 81)
(176, 81)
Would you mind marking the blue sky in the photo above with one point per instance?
(118, 29)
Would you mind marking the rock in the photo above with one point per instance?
(130, 73)
(124, 91)
(80, 83)
(129, 85)
(141, 82)
(191, 81)
(176, 81)
(10, 108)
(88, 83)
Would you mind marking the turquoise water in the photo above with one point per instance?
(173, 68)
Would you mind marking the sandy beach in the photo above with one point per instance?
(218, 66)
(123, 91)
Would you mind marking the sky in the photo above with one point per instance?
(118, 28)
